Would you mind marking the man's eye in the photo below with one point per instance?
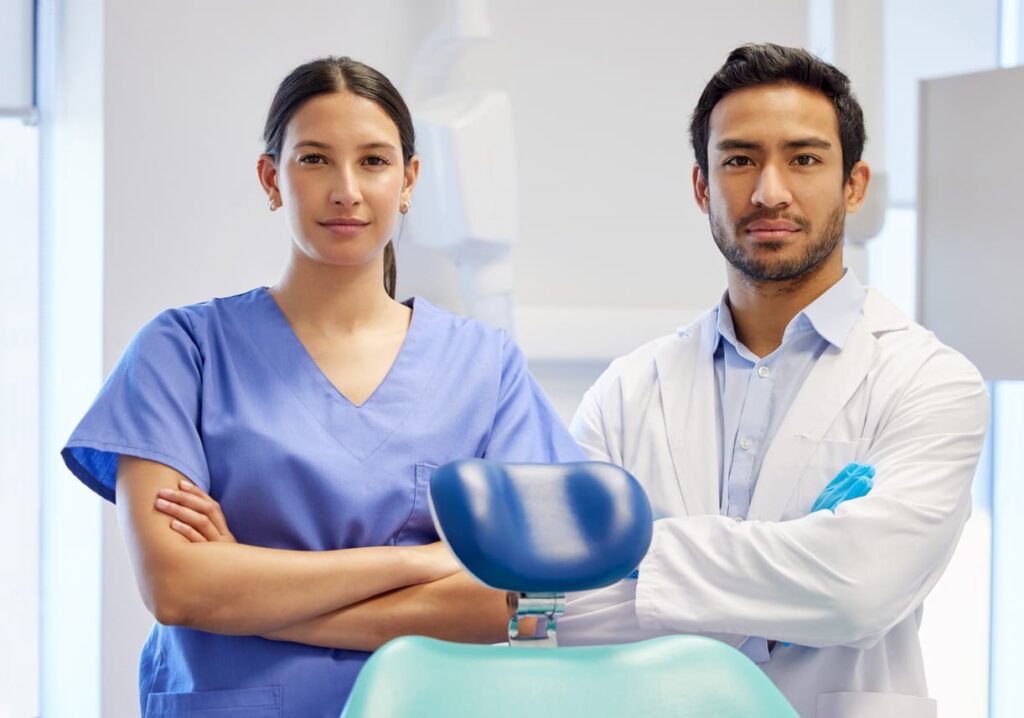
(806, 160)
(738, 162)
(313, 159)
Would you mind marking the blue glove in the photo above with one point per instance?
(852, 482)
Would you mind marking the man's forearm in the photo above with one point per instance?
(456, 608)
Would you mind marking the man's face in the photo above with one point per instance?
(774, 192)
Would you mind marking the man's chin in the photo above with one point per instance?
(766, 272)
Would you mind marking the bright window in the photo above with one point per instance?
(19, 418)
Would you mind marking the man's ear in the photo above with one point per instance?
(701, 192)
(857, 186)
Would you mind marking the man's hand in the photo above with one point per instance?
(854, 481)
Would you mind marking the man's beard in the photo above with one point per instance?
(819, 248)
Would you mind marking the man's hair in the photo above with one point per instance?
(767, 64)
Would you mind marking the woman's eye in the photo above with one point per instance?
(806, 160)
(313, 159)
(376, 161)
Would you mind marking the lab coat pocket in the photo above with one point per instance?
(828, 459)
(419, 527)
(876, 705)
(250, 702)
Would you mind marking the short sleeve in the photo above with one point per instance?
(526, 428)
(149, 407)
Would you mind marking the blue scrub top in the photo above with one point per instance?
(225, 393)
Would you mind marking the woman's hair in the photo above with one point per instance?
(335, 74)
(768, 64)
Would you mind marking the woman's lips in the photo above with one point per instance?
(344, 227)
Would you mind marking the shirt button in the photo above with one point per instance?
(745, 444)
(762, 371)
(737, 519)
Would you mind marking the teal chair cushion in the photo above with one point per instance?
(664, 677)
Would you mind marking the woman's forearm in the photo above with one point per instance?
(236, 589)
(245, 590)
(456, 608)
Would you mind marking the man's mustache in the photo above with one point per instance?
(765, 213)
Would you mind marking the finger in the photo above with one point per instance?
(200, 503)
(214, 511)
(187, 531)
(198, 521)
(861, 488)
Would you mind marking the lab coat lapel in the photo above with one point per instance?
(686, 381)
(826, 391)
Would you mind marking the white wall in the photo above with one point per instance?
(602, 95)
(925, 39)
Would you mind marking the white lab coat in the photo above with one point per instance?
(845, 589)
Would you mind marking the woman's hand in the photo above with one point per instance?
(438, 559)
(196, 515)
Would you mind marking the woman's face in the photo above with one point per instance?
(340, 178)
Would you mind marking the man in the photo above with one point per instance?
(736, 424)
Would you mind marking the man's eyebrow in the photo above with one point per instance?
(805, 142)
(726, 145)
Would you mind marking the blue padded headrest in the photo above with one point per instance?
(540, 528)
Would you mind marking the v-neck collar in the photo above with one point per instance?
(360, 429)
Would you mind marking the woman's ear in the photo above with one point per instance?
(412, 173)
(266, 169)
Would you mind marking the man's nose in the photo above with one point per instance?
(771, 190)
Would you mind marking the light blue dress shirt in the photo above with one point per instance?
(755, 393)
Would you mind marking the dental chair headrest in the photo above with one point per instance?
(542, 528)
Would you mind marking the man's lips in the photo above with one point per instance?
(772, 229)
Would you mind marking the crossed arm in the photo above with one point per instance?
(195, 574)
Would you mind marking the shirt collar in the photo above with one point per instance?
(834, 313)
(831, 316)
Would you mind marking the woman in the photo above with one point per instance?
(313, 412)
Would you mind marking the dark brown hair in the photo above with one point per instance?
(767, 64)
(335, 74)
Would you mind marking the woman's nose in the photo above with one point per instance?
(345, 190)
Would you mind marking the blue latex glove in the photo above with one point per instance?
(854, 481)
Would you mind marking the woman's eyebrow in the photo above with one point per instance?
(378, 146)
(324, 146)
